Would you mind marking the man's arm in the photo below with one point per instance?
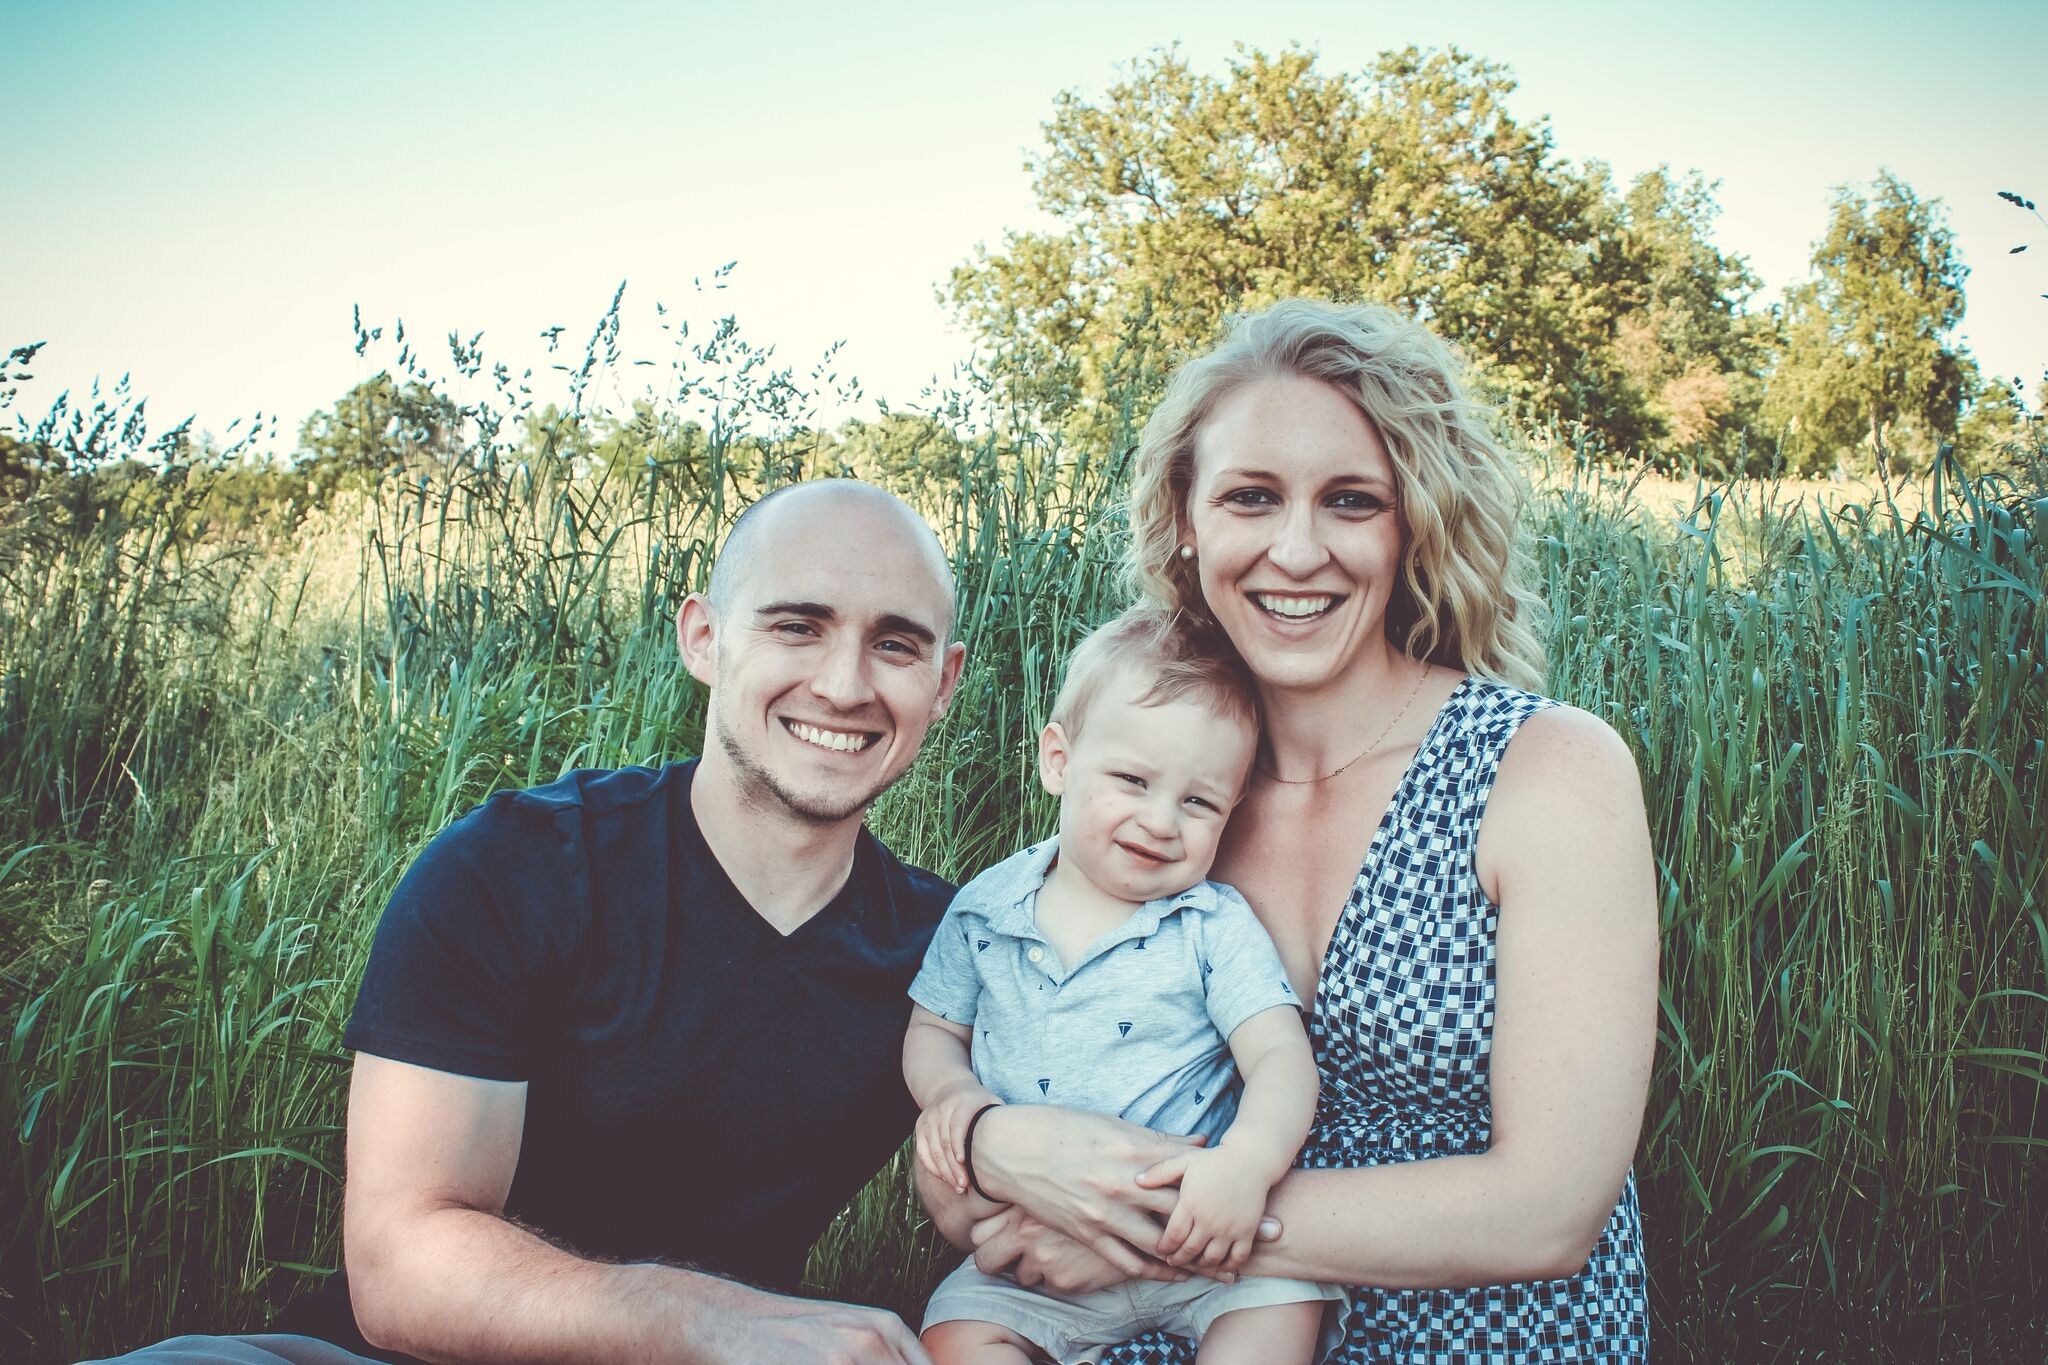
(436, 1271)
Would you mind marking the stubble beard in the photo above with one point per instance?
(763, 788)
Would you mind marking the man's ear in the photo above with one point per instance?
(697, 636)
(950, 664)
(1053, 746)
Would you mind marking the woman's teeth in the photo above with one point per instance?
(1295, 608)
(837, 740)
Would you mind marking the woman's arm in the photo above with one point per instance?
(1076, 1173)
(1006, 1238)
(1564, 850)
(953, 1212)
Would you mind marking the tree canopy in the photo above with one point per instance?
(1867, 354)
(1188, 197)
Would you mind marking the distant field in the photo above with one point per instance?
(1665, 493)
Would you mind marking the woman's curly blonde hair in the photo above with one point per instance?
(1463, 599)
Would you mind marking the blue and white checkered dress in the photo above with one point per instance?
(1402, 1027)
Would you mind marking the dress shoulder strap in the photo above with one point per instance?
(1464, 754)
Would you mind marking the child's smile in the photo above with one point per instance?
(1144, 791)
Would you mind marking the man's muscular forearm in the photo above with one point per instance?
(463, 1285)
(459, 1284)
(436, 1270)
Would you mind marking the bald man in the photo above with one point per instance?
(628, 1041)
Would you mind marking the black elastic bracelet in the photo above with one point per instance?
(967, 1151)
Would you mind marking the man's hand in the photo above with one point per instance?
(1222, 1197)
(753, 1327)
(942, 1131)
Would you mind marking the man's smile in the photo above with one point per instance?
(838, 741)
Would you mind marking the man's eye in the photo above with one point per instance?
(903, 647)
(794, 628)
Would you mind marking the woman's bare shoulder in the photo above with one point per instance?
(1567, 790)
(1565, 751)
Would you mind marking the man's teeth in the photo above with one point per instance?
(1296, 606)
(837, 740)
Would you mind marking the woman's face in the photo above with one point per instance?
(1293, 515)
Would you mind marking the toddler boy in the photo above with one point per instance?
(1100, 970)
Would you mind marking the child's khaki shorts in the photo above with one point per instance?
(1076, 1330)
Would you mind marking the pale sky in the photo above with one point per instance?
(201, 193)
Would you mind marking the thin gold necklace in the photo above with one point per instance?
(1420, 678)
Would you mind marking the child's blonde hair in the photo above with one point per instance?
(1181, 658)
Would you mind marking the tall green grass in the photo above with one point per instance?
(1839, 720)
(218, 753)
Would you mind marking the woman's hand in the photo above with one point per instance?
(1016, 1244)
(1077, 1173)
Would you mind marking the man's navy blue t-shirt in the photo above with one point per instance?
(700, 1087)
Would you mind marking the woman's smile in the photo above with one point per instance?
(1294, 607)
(1288, 521)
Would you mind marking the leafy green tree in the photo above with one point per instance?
(904, 450)
(1682, 335)
(1995, 427)
(653, 441)
(381, 424)
(1188, 197)
(549, 433)
(1867, 362)
(19, 464)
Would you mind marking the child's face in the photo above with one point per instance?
(1144, 790)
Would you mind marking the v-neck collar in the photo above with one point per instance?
(1432, 739)
(843, 908)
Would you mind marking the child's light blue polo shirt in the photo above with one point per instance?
(1137, 1029)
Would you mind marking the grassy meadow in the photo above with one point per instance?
(219, 748)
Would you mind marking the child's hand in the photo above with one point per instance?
(942, 1132)
(1222, 1199)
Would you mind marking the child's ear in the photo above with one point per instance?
(1052, 758)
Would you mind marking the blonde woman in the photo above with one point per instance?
(1456, 871)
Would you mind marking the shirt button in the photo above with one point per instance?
(1036, 954)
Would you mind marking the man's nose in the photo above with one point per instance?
(1298, 549)
(842, 678)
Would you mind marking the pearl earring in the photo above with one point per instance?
(1187, 552)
